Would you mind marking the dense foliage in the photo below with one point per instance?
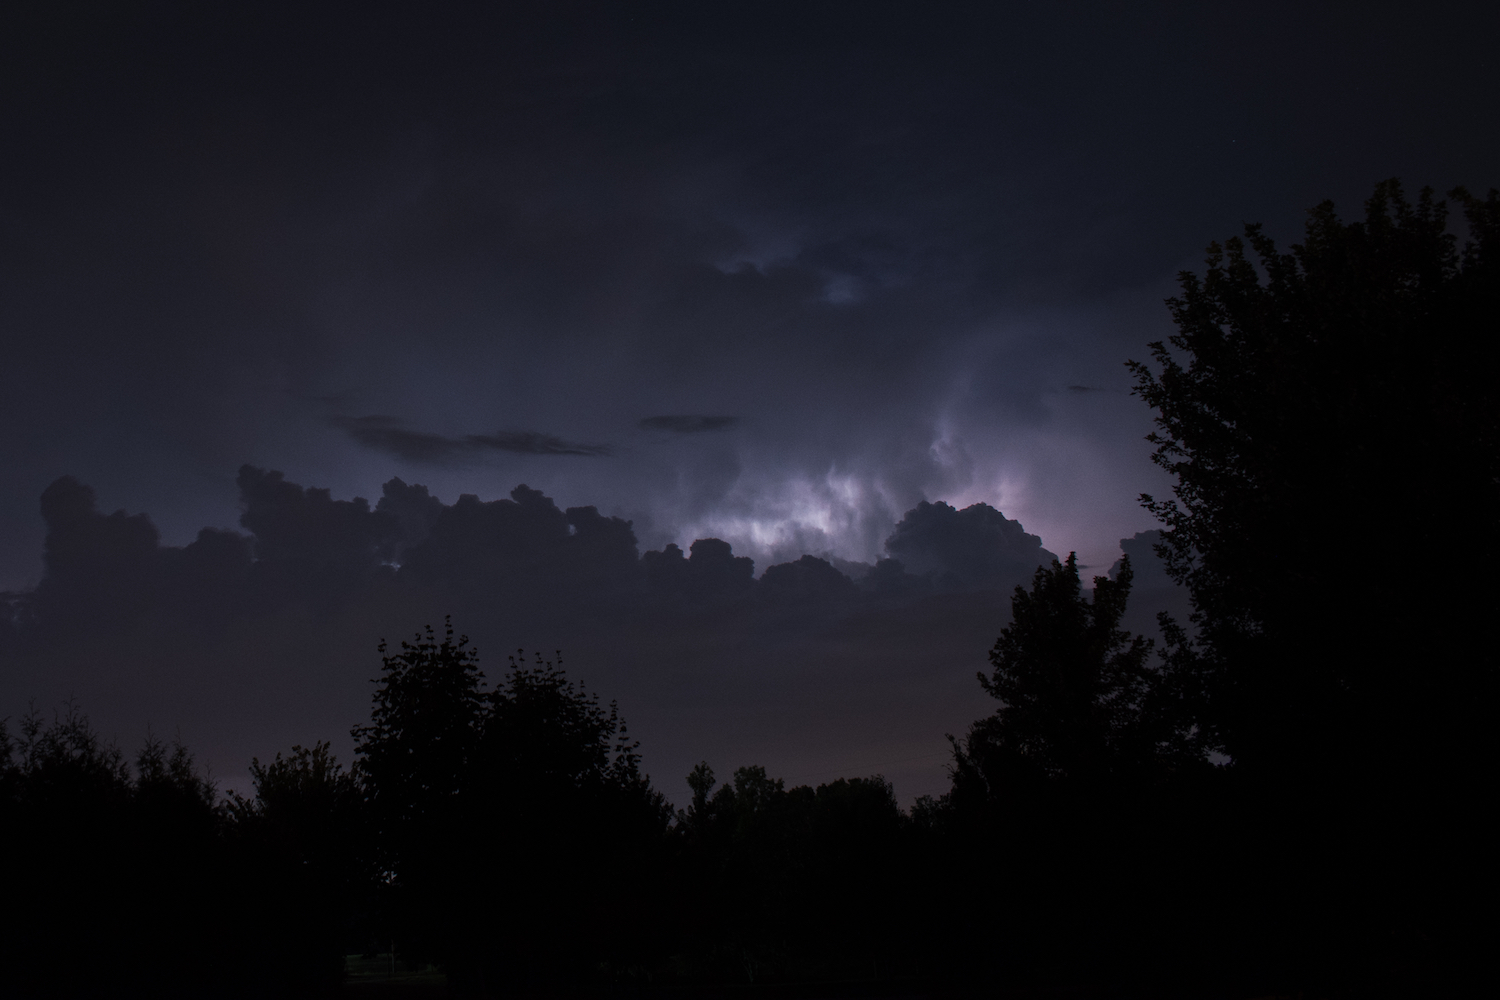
(1077, 691)
(106, 863)
(533, 775)
(1331, 419)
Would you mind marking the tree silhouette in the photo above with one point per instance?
(512, 824)
(1072, 824)
(90, 843)
(1076, 691)
(308, 801)
(305, 853)
(561, 796)
(1333, 425)
(418, 750)
(786, 883)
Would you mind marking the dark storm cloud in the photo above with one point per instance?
(244, 636)
(974, 548)
(809, 580)
(1149, 571)
(711, 569)
(107, 564)
(1153, 591)
(688, 423)
(385, 434)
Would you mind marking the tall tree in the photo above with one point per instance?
(304, 846)
(514, 825)
(579, 832)
(1075, 690)
(416, 761)
(418, 750)
(1331, 418)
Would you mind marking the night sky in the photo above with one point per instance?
(777, 275)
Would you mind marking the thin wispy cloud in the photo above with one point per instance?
(387, 434)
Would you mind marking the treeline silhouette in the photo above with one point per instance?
(1285, 796)
(133, 879)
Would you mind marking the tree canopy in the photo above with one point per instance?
(1071, 683)
(529, 791)
(1330, 417)
(1081, 700)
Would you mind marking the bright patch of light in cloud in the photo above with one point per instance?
(780, 521)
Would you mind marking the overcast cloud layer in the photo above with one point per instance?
(772, 274)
